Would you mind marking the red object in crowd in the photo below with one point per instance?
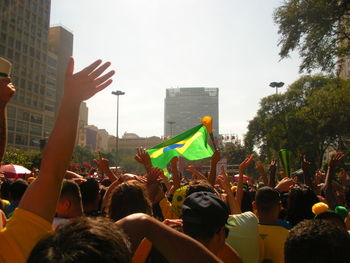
(14, 170)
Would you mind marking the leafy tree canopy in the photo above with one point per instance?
(319, 29)
(310, 116)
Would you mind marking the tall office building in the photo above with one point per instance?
(61, 44)
(24, 35)
(184, 107)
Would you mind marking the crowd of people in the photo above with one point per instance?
(61, 215)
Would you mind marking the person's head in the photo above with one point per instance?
(90, 194)
(83, 240)
(17, 190)
(267, 203)
(301, 198)
(69, 204)
(199, 186)
(5, 189)
(204, 217)
(316, 241)
(336, 216)
(247, 201)
(128, 198)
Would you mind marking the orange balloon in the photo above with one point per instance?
(207, 121)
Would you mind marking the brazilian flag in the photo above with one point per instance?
(192, 145)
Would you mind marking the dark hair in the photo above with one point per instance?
(83, 240)
(203, 215)
(17, 189)
(317, 241)
(199, 186)
(70, 190)
(247, 201)
(5, 189)
(333, 218)
(89, 191)
(267, 199)
(301, 198)
(128, 198)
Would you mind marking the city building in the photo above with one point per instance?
(82, 124)
(131, 141)
(184, 108)
(61, 44)
(36, 70)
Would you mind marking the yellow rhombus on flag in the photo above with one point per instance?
(192, 145)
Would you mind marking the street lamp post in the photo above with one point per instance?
(117, 93)
(276, 85)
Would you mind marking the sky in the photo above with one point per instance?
(158, 44)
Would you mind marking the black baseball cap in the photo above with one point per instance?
(205, 209)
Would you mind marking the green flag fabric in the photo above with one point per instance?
(285, 159)
(192, 145)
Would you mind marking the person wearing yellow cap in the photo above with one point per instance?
(7, 90)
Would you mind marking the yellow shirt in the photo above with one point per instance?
(272, 238)
(167, 209)
(20, 235)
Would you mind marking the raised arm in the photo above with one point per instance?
(42, 195)
(306, 167)
(225, 185)
(143, 158)
(196, 174)
(167, 240)
(213, 163)
(262, 174)
(103, 165)
(328, 188)
(7, 90)
(272, 173)
(242, 167)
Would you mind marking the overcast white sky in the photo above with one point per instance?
(159, 44)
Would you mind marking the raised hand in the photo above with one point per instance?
(7, 90)
(260, 168)
(285, 184)
(86, 83)
(102, 163)
(224, 183)
(154, 175)
(143, 158)
(306, 166)
(336, 159)
(243, 166)
(272, 173)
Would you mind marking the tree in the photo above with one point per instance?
(82, 154)
(319, 29)
(29, 160)
(310, 116)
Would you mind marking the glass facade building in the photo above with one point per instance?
(24, 40)
(184, 108)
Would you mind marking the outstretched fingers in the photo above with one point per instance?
(104, 78)
(98, 71)
(92, 67)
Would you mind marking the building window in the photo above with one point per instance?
(11, 125)
(35, 130)
(11, 112)
(34, 141)
(22, 127)
(23, 115)
(21, 139)
(36, 118)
